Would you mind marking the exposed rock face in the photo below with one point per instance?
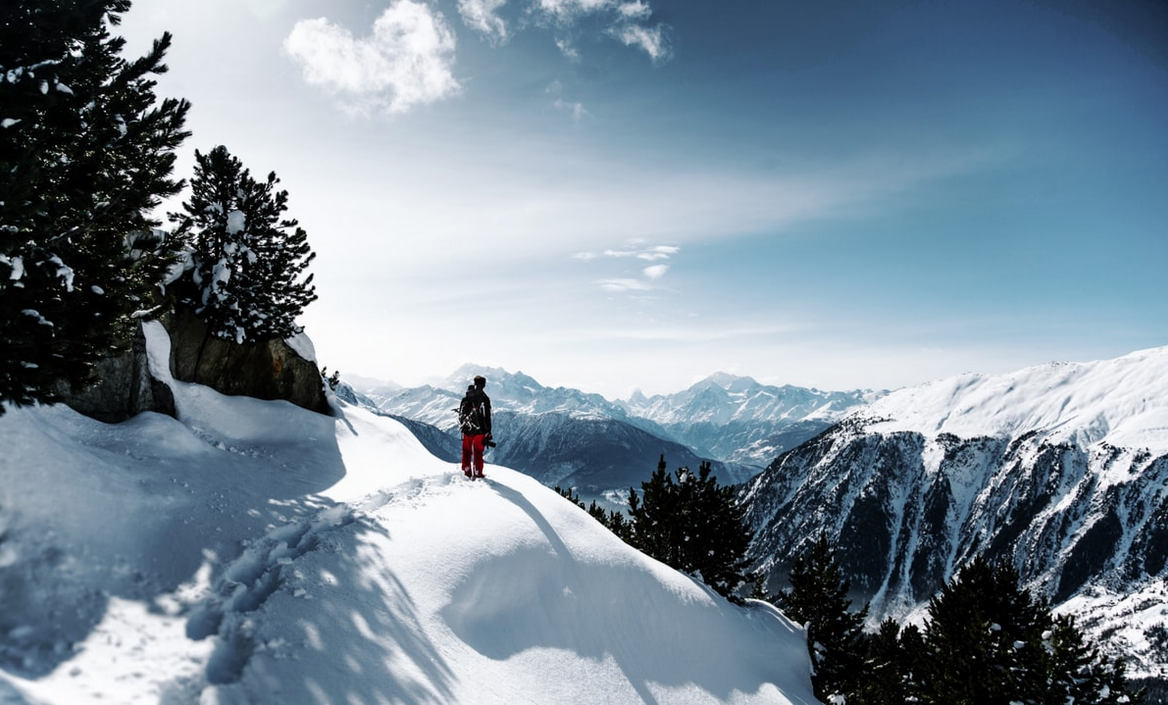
(127, 387)
(906, 511)
(267, 370)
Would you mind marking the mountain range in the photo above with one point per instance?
(1060, 469)
(571, 438)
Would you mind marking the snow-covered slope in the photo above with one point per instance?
(1061, 469)
(254, 552)
(1121, 402)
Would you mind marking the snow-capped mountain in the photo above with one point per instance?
(567, 437)
(255, 552)
(513, 392)
(1060, 468)
(559, 435)
(737, 419)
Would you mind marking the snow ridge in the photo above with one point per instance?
(1123, 402)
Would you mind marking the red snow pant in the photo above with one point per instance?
(472, 449)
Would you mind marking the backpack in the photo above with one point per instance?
(471, 415)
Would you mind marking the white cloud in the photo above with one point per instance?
(655, 271)
(406, 61)
(651, 39)
(635, 10)
(482, 16)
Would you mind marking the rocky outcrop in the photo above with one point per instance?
(265, 370)
(268, 370)
(126, 387)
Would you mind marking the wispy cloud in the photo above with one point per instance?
(655, 271)
(406, 61)
(483, 16)
(575, 109)
(572, 8)
(653, 40)
(651, 274)
(652, 253)
(623, 20)
(568, 48)
(623, 285)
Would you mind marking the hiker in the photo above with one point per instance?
(474, 419)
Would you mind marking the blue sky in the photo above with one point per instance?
(613, 195)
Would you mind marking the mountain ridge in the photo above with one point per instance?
(738, 423)
(1061, 469)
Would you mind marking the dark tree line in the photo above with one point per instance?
(986, 641)
(87, 153)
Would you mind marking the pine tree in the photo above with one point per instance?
(85, 155)
(988, 640)
(247, 260)
(693, 525)
(886, 671)
(972, 639)
(818, 598)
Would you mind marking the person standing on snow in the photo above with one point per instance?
(474, 419)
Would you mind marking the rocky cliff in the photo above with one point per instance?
(275, 369)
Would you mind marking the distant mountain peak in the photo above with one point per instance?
(726, 380)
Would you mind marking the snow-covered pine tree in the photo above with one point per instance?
(818, 598)
(86, 153)
(246, 258)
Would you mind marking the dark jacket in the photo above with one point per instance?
(474, 413)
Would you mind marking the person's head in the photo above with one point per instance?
(480, 381)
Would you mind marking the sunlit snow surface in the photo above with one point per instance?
(1123, 402)
(254, 552)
